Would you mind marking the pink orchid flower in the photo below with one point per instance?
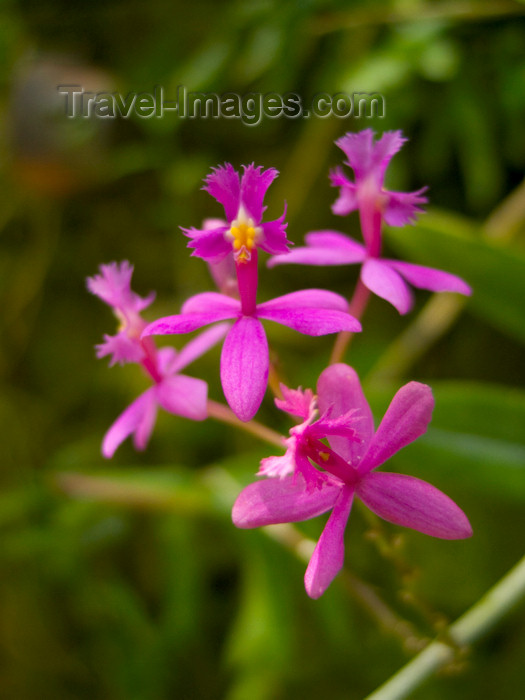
(243, 231)
(298, 491)
(174, 392)
(385, 277)
(245, 358)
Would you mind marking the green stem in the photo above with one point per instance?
(484, 615)
(357, 307)
(442, 310)
(222, 413)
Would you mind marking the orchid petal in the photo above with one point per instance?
(274, 239)
(223, 184)
(430, 278)
(405, 420)
(199, 310)
(358, 150)
(254, 184)
(334, 239)
(339, 392)
(287, 500)
(384, 149)
(244, 367)
(198, 346)
(145, 427)
(312, 321)
(296, 402)
(387, 284)
(403, 207)
(410, 502)
(185, 323)
(211, 301)
(166, 360)
(347, 200)
(113, 286)
(184, 396)
(209, 244)
(137, 413)
(121, 347)
(278, 466)
(322, 252)
(328, 557)
(318, 298)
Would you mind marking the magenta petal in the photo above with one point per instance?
(327, 248)
(121, 347)
(210, 244)
(430, 278)
(287, 500)
(358, 149)
(312, 321)
(310, 311)
(350, 249)
(405, 420)
(185, 323)
(410, 502)
(254, 184)
(328, 557)
(318, 298)
(274, 239)
(381, 279)
(223, 184)
(184, 396)
(144, 429)
(339, 391)
(403, 207)
(140, 413)
(198, 346)
(199, 310)
(347, 200)
(112, 285)
(210, 301)
(386, 147)
(244, 367)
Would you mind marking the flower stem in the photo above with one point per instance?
(357, 307)
(302, 547)
(222, 413)
(486, 613)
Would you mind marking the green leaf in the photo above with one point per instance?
(496, 274)
(476, 436)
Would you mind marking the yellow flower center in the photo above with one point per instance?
(243, 234)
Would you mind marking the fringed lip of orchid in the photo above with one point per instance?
(295, 490)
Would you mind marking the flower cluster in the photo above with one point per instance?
(386, 278)
(344, 469)
(332, 454)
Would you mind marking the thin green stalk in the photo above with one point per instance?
(222, 413)
(481, 618)
(442, 310)
(357, 308)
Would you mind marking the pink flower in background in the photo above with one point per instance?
(176, 393)
(113, 286)
(244, 358)
(369, 161)
(386, 278)
(298, 491)
(244, 230)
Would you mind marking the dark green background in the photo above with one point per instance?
(144, 590)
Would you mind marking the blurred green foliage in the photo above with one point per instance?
(129, 582)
